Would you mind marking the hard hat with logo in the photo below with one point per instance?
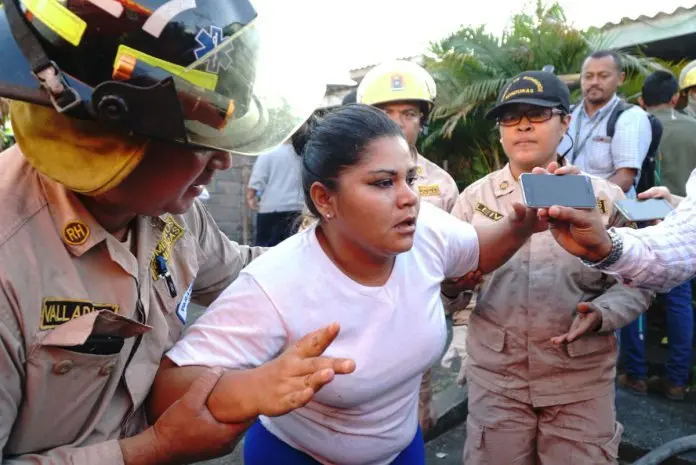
(398, 81)
(203, 73)
(687, 77)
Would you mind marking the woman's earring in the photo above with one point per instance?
(329, 216)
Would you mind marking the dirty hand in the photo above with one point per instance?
(187, 432)
(526, 221)
(580, 232)
(587, 320)
(291, 380)
(657, 192)
(555, 168)
(454, 286)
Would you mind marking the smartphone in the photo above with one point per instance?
(545, 190)
(644, 210)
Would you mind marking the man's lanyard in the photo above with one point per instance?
(577, 149)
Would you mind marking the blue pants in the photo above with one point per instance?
(680, 330)
(261, 447)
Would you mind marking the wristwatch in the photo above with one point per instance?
(614, 255)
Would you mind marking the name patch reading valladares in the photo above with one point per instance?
(56, 311)
(485, 211)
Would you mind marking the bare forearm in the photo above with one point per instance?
(230, 402)
(139, 449)
(497, 244)
(251, 198)
(623, 178)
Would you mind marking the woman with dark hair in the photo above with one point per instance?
(373, 262)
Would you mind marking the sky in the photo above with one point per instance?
(344, 34)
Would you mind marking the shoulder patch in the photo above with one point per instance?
(75, 233)
(487, 212)
(429, 190)
(56, 311)
(170, 235)
(602, 206)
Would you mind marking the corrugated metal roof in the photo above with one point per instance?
(647, 17)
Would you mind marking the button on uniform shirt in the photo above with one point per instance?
(85, 319)
(663, 256)
(601, 155)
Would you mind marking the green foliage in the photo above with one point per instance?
(471, 66)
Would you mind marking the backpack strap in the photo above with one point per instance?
(616, 112)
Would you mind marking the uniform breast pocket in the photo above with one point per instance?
(63, 391)
(599, 155)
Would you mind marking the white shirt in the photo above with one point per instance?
(603, 156)
(663, 256)
(393, 332)
(277, 177)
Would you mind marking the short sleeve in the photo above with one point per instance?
(259, 173)
(459, 241)
(241, 329)
(632, 139)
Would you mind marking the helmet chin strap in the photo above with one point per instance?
(62, 97)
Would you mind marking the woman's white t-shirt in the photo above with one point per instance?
(393, 332)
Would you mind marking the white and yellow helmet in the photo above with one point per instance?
(397, 81)
(687, 77)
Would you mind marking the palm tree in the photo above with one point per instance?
(472, 65)
(5, 141)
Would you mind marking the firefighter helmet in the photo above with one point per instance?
(398, 81)
(199, 72)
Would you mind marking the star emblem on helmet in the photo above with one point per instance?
(209, 40)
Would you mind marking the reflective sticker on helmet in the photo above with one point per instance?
(112, 7)
(194, 76)
(58, 18)
(156, 23)
(209, 40)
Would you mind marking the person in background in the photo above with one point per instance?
(275, 178)
(406, 93)
(617, 158)
(687, 88)
(659, 97)
(541, 343)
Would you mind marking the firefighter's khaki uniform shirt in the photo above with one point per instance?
(532, 298)
(65, 282)
(435, 185)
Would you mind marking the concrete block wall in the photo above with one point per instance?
(227, 204)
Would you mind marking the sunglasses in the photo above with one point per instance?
(534, 115)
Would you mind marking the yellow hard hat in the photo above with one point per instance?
(687, 77)
(397, 81)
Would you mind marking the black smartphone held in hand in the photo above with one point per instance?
(644, 210)
(545, 190)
